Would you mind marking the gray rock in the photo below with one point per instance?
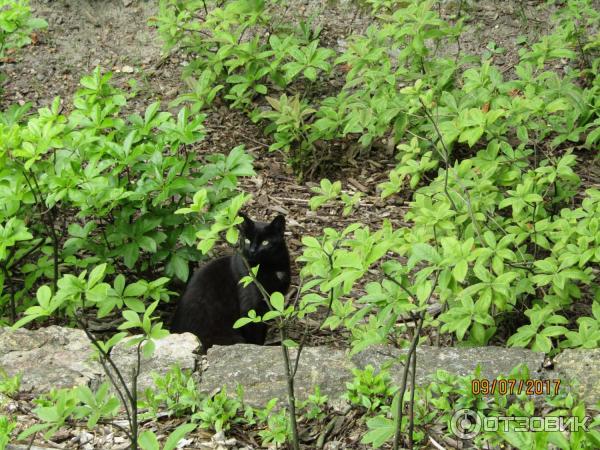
(52, 357)
(57, 357)
(260, 369)
(494, 361)
(584, 366)
(175, 349)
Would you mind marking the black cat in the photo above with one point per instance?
(214, 299)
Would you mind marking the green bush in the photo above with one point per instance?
(93, 187)
(498, 230)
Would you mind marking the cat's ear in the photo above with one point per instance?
(247, 225)
(278, 224)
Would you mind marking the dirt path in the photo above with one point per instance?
(80, 36)
(115, 34)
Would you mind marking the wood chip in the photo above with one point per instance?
(361, 187)
(279, 209)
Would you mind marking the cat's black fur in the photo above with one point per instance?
(214, 299)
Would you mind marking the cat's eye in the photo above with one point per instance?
(247, 241)
(264, 243)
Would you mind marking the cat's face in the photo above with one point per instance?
(261, 241)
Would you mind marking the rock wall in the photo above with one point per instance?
(56, 357)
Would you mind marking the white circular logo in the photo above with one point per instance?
(465, 424)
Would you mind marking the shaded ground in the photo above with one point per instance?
(80, 36)
(114, 34)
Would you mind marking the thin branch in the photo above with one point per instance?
(303, 339)
(49, 224)
(446, 155)
(290, 391)
(28, 252)
(397, 283)
(467, 201)
(32, 440)
(286, 359)
(411, 354)
(411, 406)
(106, 360)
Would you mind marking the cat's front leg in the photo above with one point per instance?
(250, 297)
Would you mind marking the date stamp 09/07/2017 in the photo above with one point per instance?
(530, 386)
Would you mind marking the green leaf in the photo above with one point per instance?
(33, 430)
(592, 137)
(148, 347)
(177, 434)
(151, 111)
(290, 343)
(471, 135)
(25, 320)
(147, 243)
(48, 413)
(270, 315)
(522, 133)
(135, 290)
(135, 304)
(148, 441)
(381, 430)
(232, 235)
(131, 253)
(277, 301)
(547, 265)
(242, 321)
(310, 242)
(348, 259)
(310, 73)
(132, 317)
(43, 295)
(462, 326)
(542, 343)
(560, 104)
(178, 266)
(424, 252)
(460, 270)
(96, 275)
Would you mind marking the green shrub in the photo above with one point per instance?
(176, 392)
(496, 230)
(93, 187)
